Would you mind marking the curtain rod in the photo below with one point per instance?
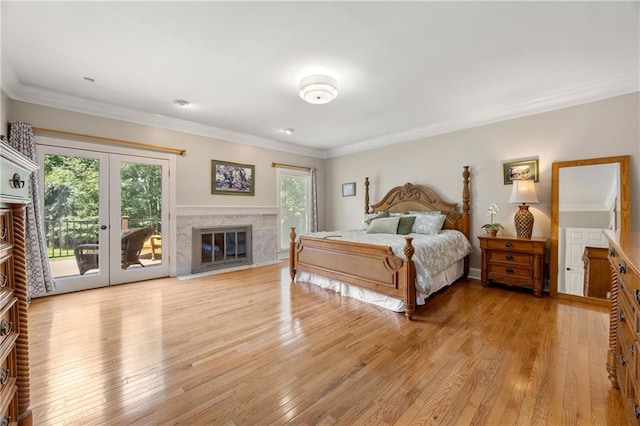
(172, 150)
(290, 166)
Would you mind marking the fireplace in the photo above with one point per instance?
(221, 247)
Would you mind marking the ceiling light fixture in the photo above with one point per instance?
(289, 131)
(318, 89)
(181, 102)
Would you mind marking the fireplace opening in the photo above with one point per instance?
(221, 247)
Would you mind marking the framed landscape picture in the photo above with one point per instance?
(232, 178)
(520, 170)
(349, 189)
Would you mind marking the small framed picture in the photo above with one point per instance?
(232, 178)
(520, 170)
(349, 189)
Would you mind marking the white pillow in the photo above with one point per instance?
(429, 224)
(386, 225)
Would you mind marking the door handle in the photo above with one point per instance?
(103, 227)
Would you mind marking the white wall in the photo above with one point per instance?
(4, 107)
(598, 129)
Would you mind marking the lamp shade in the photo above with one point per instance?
(523, 191)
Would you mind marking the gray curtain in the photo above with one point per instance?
(313, 217)
(39, 276)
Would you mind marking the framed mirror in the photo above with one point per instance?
(587, 197)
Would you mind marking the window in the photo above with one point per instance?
(294, 203)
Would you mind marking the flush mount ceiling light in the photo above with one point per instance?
(181, 102)
(318, 89)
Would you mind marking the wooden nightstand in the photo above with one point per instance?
(513, 261)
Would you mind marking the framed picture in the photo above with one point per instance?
(520, 170)
(349, 189)
(232, 178)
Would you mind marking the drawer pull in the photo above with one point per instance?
(509, 257)
(6, 327)
(612, 252)
(622, 318)
(3, 280)
(632, 349)
(623, 361)
(16, 182)
(622, 267)
(3, 233)
(508, 245)
(509, 271)
(4, 376)
(637, 296)
(6, 421)
(636, 408)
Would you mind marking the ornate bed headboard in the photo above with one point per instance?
(410, 197)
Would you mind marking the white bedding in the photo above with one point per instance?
(438, 261)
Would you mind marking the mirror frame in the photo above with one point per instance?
(625, 216)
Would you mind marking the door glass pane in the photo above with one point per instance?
(293, 206)
(71, 206)
(141, 215)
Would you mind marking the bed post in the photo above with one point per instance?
(366, 195)
(466, 215)
(292, 252)
(410, 280)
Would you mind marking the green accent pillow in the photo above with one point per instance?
(378, 216)
(405, 225)
(384, 225)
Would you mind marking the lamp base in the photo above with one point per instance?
(524, 222)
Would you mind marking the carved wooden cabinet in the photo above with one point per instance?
(513, 261)
(623, 360)
(15, 170)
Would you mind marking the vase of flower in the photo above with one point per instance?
(492, 228)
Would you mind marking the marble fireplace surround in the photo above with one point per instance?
(263, 221)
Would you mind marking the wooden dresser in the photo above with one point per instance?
(624, 345)
(597, 273)
(15, 170)
(513, 261)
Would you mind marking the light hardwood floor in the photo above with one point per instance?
(249, 347)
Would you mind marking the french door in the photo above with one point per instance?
(105, 216)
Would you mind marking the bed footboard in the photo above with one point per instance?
(365, 265)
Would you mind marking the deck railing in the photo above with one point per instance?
(64, 235)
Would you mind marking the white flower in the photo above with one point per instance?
(493, 209)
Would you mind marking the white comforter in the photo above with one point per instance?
(433, 253)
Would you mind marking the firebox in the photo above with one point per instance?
(221, 247)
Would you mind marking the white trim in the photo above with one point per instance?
(579, 95)
(224, 210)
(474, 273)
(8, 152)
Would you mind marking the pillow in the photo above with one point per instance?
(429, 224)
(425, 212)
(405, 225)
(385, 225)
(376, 216)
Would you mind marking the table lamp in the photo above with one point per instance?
(523, 192)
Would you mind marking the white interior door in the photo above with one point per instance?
(576, 241)
(95, 203)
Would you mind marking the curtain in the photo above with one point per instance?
(313, 214)
(39, 276)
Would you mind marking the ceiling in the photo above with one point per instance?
(405, 70)
(589, 188)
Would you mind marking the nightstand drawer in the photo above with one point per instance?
(515, 245)
(5, 227)
(509, 257)
(510, 271)
(6, 272)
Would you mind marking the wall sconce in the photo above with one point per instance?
(523, 192)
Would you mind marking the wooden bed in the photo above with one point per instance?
(375, 267)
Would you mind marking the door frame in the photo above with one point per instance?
(114, 149)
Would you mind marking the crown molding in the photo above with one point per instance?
(20, 92)
(572, 97)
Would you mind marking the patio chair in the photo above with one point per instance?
(131, 241)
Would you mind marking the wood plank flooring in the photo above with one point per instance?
(249, 347)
